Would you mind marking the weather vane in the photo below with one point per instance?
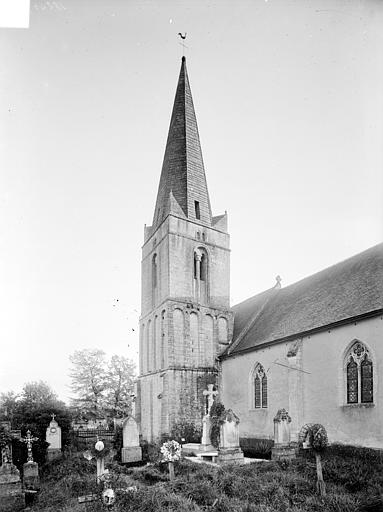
(182, 36)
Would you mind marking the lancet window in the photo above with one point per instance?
(259, 388)
(359, 375)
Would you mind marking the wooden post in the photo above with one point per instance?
(171, 470)
(321, 486)
(100, 468)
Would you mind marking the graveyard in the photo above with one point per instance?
(113, 469)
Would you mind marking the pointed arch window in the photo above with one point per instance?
(259, 387)
(359, 375)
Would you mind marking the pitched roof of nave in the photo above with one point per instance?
(183, 180)
(344, 291)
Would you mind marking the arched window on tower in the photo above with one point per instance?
(154, 279)
(359, 375)
(259, 388)
(201, 275)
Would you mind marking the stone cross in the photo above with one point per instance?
(53, 416)
(210, 394)
(29, 440)
(133, 398)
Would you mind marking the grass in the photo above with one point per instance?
(354, 478)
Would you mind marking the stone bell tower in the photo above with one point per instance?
(185, 317)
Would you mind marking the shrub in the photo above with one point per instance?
(256, 448)
(216, 412)
(151, 452)
(188, 432)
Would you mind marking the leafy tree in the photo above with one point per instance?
(31, 410)
(88, 379)
(8, 404)
(102, 387)
(119, 379)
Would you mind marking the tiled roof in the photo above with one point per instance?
(183, 174)
(349, 289)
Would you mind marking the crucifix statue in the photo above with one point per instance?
(53, 416)
(133, 398)
(29, 440)
(210, 395)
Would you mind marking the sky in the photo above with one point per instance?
(289, 102)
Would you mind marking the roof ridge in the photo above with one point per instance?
(312, 275)
(252, 321)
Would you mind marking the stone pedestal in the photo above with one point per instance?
(131, 454)
(12, 498)
(31, 478)
(280, 452)
(206, 445)
(230, 456)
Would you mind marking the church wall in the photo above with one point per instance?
(236, 389)
(325, 387)
(318, 396)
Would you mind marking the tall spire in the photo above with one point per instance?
(183, 189)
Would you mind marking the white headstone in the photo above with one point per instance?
(130, 435)
(131, 450)
(53, 435)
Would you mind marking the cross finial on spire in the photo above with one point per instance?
(183, 37)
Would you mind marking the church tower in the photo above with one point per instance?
(185, 317)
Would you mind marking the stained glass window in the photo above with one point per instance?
(257, 385)
(352, 383)
(264, 391)
(366, 381)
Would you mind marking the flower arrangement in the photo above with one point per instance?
(314, 436)
(318, 437)
(171, 451)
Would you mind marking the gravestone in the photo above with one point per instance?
(282, 448)
(131, 449)
(229, 451)
(31, 480)
(53, 437)
(12, 498)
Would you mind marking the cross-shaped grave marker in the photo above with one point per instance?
(210, 396)
(29, 440)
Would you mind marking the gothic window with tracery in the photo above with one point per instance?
(359, 375)
(260, 387)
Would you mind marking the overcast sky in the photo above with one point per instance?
(289, 102)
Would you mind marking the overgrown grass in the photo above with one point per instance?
(353, 478)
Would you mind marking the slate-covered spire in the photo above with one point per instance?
(183, 189)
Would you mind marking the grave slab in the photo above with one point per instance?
(12, 497)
